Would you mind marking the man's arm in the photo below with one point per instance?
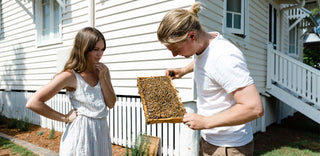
(247, 108)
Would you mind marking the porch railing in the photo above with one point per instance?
(294, 76)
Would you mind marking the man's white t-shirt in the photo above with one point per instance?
(220, 70)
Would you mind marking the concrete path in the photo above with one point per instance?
(34, 148)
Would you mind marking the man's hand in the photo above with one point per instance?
(175, 73)
(195, 121)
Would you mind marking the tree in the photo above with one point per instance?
(312, 57)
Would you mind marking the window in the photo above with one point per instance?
(293, 41)
(48, 22)
(235, 16)
(273, 26)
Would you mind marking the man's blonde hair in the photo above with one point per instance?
(177, 23)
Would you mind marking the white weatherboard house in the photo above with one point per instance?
(36, 37)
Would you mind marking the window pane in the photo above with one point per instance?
(291, 49)
(270, 23)
(274, 26)
(229, 20)
(292, 41)
(45, 34)
(234, 5)
(51, 19)
(45, 20)
(237, 21)
(46, 13)
(297, 40)
(56, 19)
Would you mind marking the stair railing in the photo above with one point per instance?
(293, 75)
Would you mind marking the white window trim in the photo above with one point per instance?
(51, 41)
(243, 19)
(274, 6)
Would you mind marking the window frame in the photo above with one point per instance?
(39, 24)
(295, 54)
(243, 18)
(273, 26)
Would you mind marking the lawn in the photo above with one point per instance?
(295, 136)
(15, 149)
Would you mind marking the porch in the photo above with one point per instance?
(293, 83)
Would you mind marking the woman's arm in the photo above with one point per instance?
(247, 108)
(37, 101)
(106, 86)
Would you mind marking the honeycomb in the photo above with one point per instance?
(160, 99)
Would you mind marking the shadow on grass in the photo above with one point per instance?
(296, 135)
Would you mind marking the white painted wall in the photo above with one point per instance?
(132, 50)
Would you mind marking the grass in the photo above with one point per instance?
(307, 144)
(15, 149)
(299, 148)
(310, 147)
(289, 151)
(9, 145)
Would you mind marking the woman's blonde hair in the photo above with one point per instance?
(84, 42)
(177, 23)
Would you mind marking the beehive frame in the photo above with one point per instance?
(169, 106)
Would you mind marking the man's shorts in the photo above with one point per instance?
(207, 149)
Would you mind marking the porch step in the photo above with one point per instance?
(307, 108)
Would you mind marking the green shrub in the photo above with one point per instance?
(2, 118)
(140, 146)
(40, 133)
(51, 136)
(24, 125)
(13, 124)
(19, 124)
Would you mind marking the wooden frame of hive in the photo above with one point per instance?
(145, 103)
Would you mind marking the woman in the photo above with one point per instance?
(227, 96)
(90, 91)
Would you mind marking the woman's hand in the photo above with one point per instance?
(103, 70)
(106, 85)
(71, 116)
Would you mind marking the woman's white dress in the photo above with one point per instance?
(88, 134)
